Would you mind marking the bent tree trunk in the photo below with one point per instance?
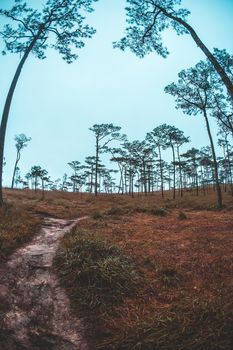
(7, 106)
(218, 188)
(227, 82)
(15, 167)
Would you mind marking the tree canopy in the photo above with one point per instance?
(59, 25)
(147, 20)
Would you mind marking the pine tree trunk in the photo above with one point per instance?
(144, 177)
(230, 171)
(180, 172)
(174, 172)
(96, 166)
(218, 188)
(227, 82)
(197, 185)
(15, 167)
(161, 170)
(7, 106)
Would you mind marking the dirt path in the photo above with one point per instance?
(34, 310)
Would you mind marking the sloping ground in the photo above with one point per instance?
(184, 300)
(34, 310)
(17, 227)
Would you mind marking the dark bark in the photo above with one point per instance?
(161, 170)
(15, 167)
(125, 178)
(230, 171)
(43, 186)
(180, 172)
(174, 171)
(96, 165)
(144, 177)
(218, 188)
(227, 82)
(132, 190)
(7, 106)
(91, 178)
(196, 180)
(121, 183)
(35, 184)
(202, 180)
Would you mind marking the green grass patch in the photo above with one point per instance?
(94, 271)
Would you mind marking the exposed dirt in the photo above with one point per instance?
(34, 309)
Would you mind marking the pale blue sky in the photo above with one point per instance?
(55, 103)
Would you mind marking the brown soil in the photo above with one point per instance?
(199, 247)
(187, 264)
(35, 312)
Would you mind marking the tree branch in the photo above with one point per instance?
(151, 26)
(20, 21)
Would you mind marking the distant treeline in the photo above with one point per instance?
(140, 165)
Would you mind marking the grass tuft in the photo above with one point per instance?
(94, 271)
(169, 277)
(115, 211)
(182, 216)
(97, 215)
(159, 212)
(201, 326)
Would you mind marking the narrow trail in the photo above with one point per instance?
(34, 309)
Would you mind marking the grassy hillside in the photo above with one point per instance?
(17, 226)
(146, 273)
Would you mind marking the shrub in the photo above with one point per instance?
(159, 212)
(169, 277)
(116, 211)
(182, 216)
(97, 215)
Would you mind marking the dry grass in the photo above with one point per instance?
(184, 296)
(95, 272)
(179, 253)
(16, 227)
(72, 205)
